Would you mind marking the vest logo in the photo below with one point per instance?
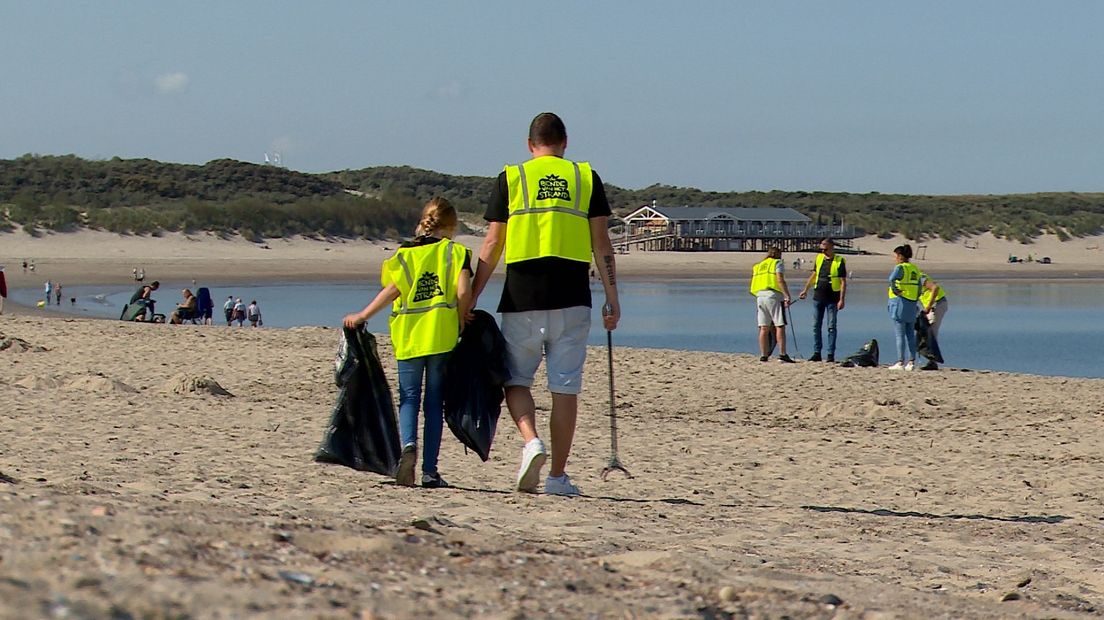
(429, 286)
(553, 187)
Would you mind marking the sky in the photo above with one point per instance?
(933, 97)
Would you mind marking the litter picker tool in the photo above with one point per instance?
(614, 462)
(793, 332)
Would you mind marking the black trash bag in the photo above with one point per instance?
(926, 343)
(866, 357)
(474, 377)
(363, 433)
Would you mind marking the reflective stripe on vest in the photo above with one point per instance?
(764, 276)
(833, 273)
(424, 319)
(909, 284)
(549, 202)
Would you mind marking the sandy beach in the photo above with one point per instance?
(760, 490)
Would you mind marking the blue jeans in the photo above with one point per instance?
(903, 312)
(820, 308)
(411, 372)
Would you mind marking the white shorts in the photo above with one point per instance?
(560, 335)
(771, 309)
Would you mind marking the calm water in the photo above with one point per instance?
(1050, 328)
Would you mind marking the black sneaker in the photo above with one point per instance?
(763, 358)
(816, 357)
(831, 359)
(930, 366)
(785, 359)
(433, 481)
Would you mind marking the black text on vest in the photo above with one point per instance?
(428, 287)
(553, 187)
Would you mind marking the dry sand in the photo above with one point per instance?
(761, 490)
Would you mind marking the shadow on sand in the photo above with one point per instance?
(884, 512)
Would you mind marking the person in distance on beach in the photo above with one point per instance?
(185, 310)
(228, 310)
(772, 296)
(904, 291)
(829, 283)
(549, 216)
(428, 285)
(933, 302)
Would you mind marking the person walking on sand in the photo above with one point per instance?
(428, 285)
(772, 296)
(829, 284)
(933, 303)
(253, 313)
(228, 310)
(57, 294)
(549, 216)
(49, 288)
(239, 312)
(904, 290)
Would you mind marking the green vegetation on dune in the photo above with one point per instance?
(145, 196)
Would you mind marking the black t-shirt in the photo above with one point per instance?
(823, 291)
(421, 240)
(545, 283)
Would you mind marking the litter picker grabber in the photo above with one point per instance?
(793, 332)
(614, 462)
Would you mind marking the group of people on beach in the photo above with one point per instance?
(547, 220)
(194, 307)
(910, 291)
(235, 311)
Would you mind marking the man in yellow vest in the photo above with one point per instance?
(768, 284)
(549, 216)
(829, 282)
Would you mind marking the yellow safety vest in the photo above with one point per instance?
(926, 296)
(425, 319)
(764, 276)
(833, 271)
(549, 199)
(909, 284)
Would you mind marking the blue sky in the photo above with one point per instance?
(934, 97)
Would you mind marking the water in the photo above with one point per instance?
(1047, 328)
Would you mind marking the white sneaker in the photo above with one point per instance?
(560, 486)
(533, 457)
(910, 366)
(897, 366)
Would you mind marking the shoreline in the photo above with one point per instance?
(94, 257)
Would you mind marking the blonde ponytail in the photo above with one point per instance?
(438, 215)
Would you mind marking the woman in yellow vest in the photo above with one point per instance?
(904, 290)
(427, 283)
(933, 301)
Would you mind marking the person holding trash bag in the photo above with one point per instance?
(934, 304)
(428, 284)
(904, 290)
(548, 216)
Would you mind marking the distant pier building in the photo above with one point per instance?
(726, 229)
